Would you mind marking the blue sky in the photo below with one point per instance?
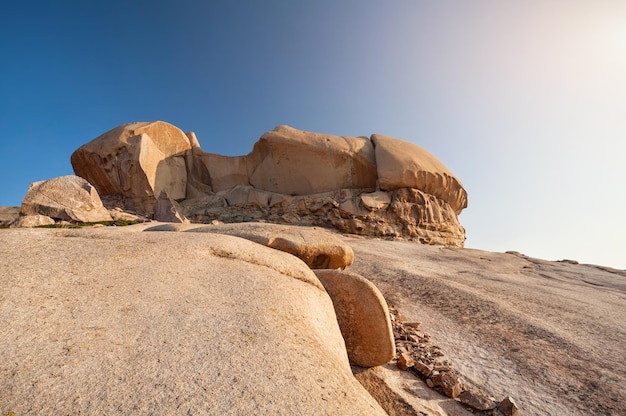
(524, 101)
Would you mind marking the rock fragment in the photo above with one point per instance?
(168, 210)
(476, 400)
(404, 361)
(508, 407)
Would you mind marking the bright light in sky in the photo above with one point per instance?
(524, 101)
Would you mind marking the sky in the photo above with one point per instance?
(524, 101)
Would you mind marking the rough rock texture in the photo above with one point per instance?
(290, 177)
(167, 210)
(115, 321)
(28, 221)
(363, 317)
(550, 334)
(318, 248)
(8, 215)
(406, 165)
(410, 213)
(68, 198)
(136, 161)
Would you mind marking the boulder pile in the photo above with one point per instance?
(377, 186)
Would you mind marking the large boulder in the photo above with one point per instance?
(402, 164)
(363, 317)
(66, 198)
(136, 161)
(295, 162)
(125, 324)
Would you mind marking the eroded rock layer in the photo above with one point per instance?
(379, 186)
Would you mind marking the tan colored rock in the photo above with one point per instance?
(294, 162)
(29, 221)
(363, 317)
(247, 195)
(404, 361)
(423, 369)
(376, 200)
(226, 172)
(124, 324)
(403, 164)
(68, 198)
(476, 400)
(449, 383)
(318, 248)
(508, 407)
(168, 210)
(136, 161)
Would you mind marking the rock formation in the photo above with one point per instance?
(381, 186)
(66, 198)
(361, 310)
(136, 161)
(112, 320)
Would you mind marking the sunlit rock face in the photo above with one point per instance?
(378, 186)
(136, 161)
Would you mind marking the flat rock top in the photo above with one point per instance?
(112, 320)
(550, 334)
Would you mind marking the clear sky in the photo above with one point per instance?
(524, 101)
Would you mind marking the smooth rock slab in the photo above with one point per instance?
(363, 317)
(318, 248)
(114, 321)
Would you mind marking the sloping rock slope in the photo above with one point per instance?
(550, 334)
(378, 186)
(116, 321)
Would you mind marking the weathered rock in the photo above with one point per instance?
(318, 248)
(29, 221)
(404, 361)
(423, 369)
(294, 162)
(68, 198)
(290, 177)
(363, 317)
(449, 383)
(136, 161)
(9, 214)
(113, 321)
(411, 214)
(375, 200)
(402, 164)
(476, 400)
(168, 210)
(508, 407)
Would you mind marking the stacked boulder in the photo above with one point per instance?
(378, 186)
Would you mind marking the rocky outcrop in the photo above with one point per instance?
(136, 161)
(65, 198)
(409, 213)
(406, 165)
(382, 186)
(293, 162)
